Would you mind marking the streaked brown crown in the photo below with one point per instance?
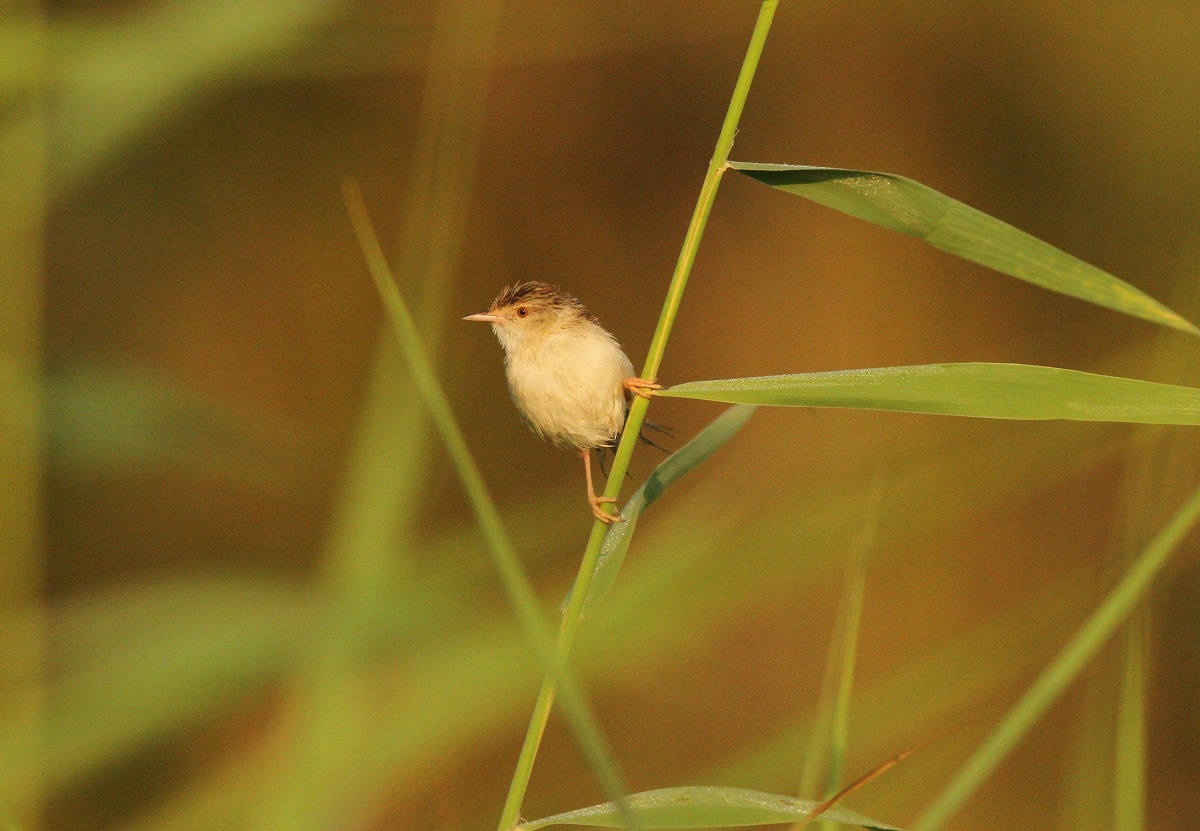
(539, 295)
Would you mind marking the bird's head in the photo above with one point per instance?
(526, 313)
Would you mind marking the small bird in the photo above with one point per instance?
(568, 376)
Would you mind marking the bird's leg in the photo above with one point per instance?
(596, 501)
(640, 386)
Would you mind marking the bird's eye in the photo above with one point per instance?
(522, 311)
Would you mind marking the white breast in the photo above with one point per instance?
(569, 388)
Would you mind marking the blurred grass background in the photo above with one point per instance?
(241, 585)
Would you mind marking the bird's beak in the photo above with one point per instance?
(484, 317)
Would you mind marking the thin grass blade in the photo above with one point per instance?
(521, 596)
(1129, 774)
(912, 208)
(620, 534)
(1082, 647)
(979, 390)
(704, 807)
(371, 532)
(824, 761)
(1085, 769)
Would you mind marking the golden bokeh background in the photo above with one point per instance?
(204, 329)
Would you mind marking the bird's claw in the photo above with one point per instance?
(599, 512)
(641, 386)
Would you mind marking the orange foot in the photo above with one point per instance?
(640, 386)
(604, 516)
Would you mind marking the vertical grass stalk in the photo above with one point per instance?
(637, 412)
(516, 584)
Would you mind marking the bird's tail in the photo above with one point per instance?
(657, 428)
(611, 447)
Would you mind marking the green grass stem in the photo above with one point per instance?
(520, 591)
(637, 412)
(1063, 669)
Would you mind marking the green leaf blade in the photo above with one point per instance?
(703, 807)
(979, 390)
(911, 208)
(620, 534)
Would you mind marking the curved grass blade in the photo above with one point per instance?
(1065, 668)
(521, 595)
(980, 390)
(704, 807)
(914, 209)
(620, 534)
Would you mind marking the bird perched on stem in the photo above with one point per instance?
(567, 375)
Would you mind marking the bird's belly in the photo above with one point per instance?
(573, 397)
